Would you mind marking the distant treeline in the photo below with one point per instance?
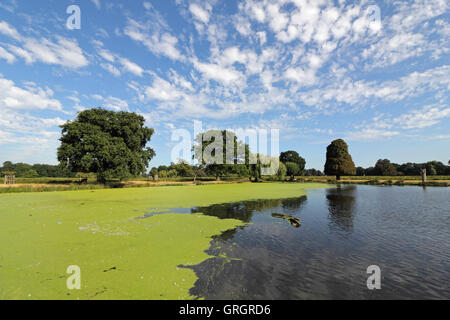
(381, 168)
(24, 170)
(386, 168)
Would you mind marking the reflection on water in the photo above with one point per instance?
(245, 210)
(404, 230)
(341, 206)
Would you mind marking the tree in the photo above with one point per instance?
(431, 170)
(385, 168)
(262, 164)
(8, 166)
(163, 174)
(360, 171)
(183, 169)
(282, 170)
(31, 174)
(293, 156)
(172, 173)
(255, 168)
(292, 169)
(339, 161)
(210, 150)
(313, 173)
(154, 172)
(110, 144)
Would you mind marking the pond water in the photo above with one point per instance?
(341, 231)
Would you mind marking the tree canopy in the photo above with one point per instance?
(210, 151)
(292, 169)
(111, 144)
(293, 156)
(339, 161)
(385, 168)
(24, 170)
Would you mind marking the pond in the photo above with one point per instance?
(320, 246)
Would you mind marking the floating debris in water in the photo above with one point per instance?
(295, 222)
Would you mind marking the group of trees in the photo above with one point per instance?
(384, 167)
(180, 169)
(113, 145)
(24, 170)
(214, 160)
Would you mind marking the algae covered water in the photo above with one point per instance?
(403, 230)
(317, 242)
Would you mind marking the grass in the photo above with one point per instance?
(49, 180)
(120, 257)
(71, 184)
(24, 185)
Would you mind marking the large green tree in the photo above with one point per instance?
(339, 161)
(293, 156)
(111, 144)
(385, 168)
(292, 169)
(210, 151)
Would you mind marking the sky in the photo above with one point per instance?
(375, 73)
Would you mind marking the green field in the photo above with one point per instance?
(42, 234)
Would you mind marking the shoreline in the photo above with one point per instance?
(55, 187)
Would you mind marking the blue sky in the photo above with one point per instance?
(316, 70)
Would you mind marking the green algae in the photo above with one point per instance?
(120, 257)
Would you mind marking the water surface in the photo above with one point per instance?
(403, 230)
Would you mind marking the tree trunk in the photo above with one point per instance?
(424, 175)
(338, 178)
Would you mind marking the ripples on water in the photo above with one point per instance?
(404, 230)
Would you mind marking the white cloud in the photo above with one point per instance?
(426, 117)
(131, 67)
(24, 54)
(162, 90)
(29, 98)
(371, 134)
(7, 56)
(389, 51)
(359, 92)
(160, 43)
(112, 58)
(147, 5)
(9, 31)
(111, 102)
(416, 119)
(110, 68)
(199, 13)
(64, 52)
(108, 56)
(97, 3)
(220, 74)
(302, 77)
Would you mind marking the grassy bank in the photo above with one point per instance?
(24, 185)
(120, 257)
(68, 184)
